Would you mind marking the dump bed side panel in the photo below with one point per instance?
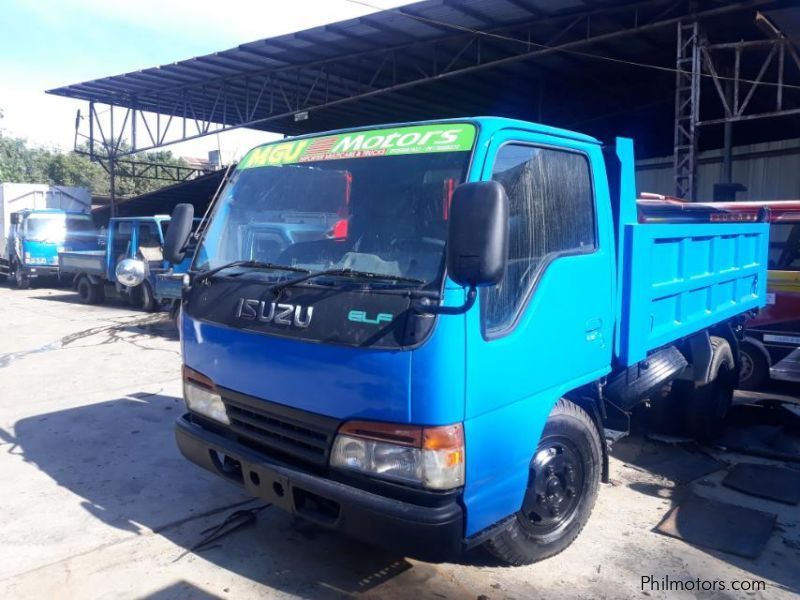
(89, 261)
(679, 279)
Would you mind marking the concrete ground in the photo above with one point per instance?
(96, 501)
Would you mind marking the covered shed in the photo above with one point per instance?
(660, 71)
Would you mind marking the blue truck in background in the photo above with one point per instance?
(448, 364)
(37, 222)
(127, 266)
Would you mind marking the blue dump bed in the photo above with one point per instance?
(679, 278)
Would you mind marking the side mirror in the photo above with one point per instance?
(14, 218)
(178, 232)
(477, 242)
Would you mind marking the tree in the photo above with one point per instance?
(21, 163)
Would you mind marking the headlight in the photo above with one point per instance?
(34, 260)
(431, 457)
(201, 396)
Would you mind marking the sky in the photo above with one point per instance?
(50, 43)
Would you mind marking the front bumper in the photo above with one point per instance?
(32, 271)
(429, 533)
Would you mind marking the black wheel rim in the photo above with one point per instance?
(747, 367)
(557, 486)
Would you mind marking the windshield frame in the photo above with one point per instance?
(377, 286)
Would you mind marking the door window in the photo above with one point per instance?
(551, 213)
(122, 240)
(149, 243)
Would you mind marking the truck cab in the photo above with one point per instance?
(37, 236)
(136, 241)
(439, 369)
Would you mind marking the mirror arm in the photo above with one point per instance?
(423, 307)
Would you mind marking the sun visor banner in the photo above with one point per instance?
(422, 139)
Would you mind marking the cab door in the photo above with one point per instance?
(547, 327)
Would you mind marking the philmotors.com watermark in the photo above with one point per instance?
(651, 583)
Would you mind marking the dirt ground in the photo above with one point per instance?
(96, 501)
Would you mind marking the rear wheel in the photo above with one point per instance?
(88, 292)
(754, 370)
(705, 406)
(562, 488)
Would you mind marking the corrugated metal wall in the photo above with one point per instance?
(771, 171)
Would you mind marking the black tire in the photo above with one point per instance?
(134, 296)
(754, 370)
(147, 299)
(562, 489)
(705, 406)
(175, 313)
(21, 281)
(87, 291)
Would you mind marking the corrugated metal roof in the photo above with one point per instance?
(415, 23)
(342, 74)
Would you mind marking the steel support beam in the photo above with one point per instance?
(687, 108)
(187, 111)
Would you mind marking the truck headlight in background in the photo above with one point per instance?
(34, 260)
(431, 457)
(201, 396)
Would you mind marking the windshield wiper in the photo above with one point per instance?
(249, 264)
(279, 287)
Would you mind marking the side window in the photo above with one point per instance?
(148, 235)
(122, 238)
(551, 211)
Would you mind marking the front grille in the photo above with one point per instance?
(275, 428)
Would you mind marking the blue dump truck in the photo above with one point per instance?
(36, 223)
(447, 364)
(128, 265)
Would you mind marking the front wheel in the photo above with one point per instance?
(562, 488)
(21, 280)
(147, 297)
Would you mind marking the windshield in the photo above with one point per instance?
(784, 246)
(56, 227)
(373, 201)
(45, 228)
(80, 226)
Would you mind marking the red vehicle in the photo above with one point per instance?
(771, 346)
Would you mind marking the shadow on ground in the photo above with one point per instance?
(687, 469)
(66, 295)
(120, 457)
